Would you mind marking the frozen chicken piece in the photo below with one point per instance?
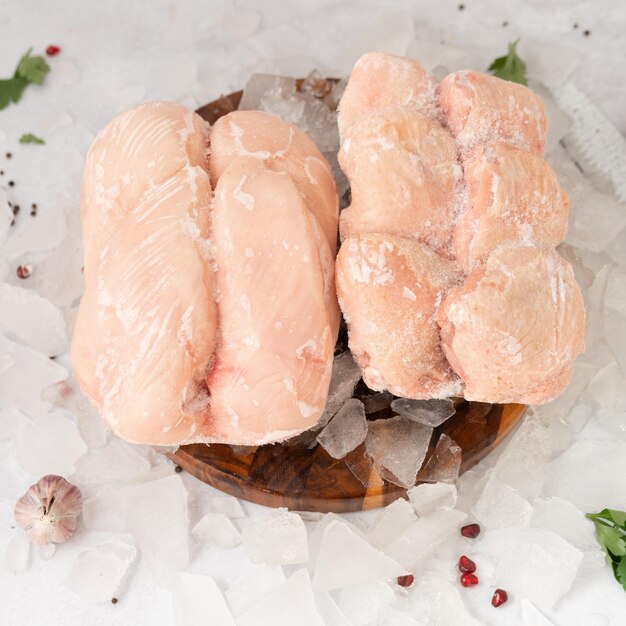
(512, 330)
(511, 194)
(389, 289)
(147, 321)
(282, 147)
(275, 354)
(480, 108)
(205, 319)
(136, 152)
(382, 81)
(403, 168)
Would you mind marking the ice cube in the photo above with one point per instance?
(585, 475)
(615, 337)
(438, 602)
(27, 376)
(59, 276)
(202, 500)
(399, 445)
(316, 85)
(118, 461)
(105, 509)
(362, 468)
(197, 601)
(215, 529)
(536, 563)
(365, 604)
(329, 611)
(10, 418)
(345, 559)
(260, 86)
(428, 412)
(290, 603)
(276, 539)
(249, 589)
(530, 615)
(99, 573)
(377, 402)
(289, 109)
(345, 375)
(559, 122)
(391, 521)
(315, 540)
(345, 431)
(67, 395)
(501, 506)
(227, 505)
(597, 218)
(49, 445)
(564, 519)
(33, 319)
(320, 123)
(17, 555)
(427, 498)
(47, 550)
(336, 93)
(158, 521)
(607, 390)
(529, 447)
(444, 464)
(423, 536)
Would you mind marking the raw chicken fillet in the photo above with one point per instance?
(447, 274)
(390, 287)
(207, 315)
(515, 326)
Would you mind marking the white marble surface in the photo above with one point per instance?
(117, 54)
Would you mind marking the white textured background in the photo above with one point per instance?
(117, 54)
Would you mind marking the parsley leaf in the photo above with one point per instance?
(32, 69)
(611, 533)
(510, 67)
(29, 70)
(30, 138)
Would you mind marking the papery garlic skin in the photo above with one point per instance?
(48, 511)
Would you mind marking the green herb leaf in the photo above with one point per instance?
(29, 70)
(611, 539)
(611, 533)
(32, 69)
(11, 91)
(619, 517)
(510, 67)
(620, 572)
(30, 138)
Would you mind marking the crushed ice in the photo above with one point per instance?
(530, 495)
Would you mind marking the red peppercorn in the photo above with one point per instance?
(406, 580)
(499, 597)
(24, 271)
(52, 51)
(466, 564)
(471, 530)
(468, 579)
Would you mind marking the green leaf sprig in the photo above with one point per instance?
(30, 138)
(611, 533)
(510, 67)
(30, 69)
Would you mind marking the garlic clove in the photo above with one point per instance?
(48, 511)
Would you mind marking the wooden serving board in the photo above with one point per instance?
(296, 475)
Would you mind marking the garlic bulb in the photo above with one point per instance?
(48, 511)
